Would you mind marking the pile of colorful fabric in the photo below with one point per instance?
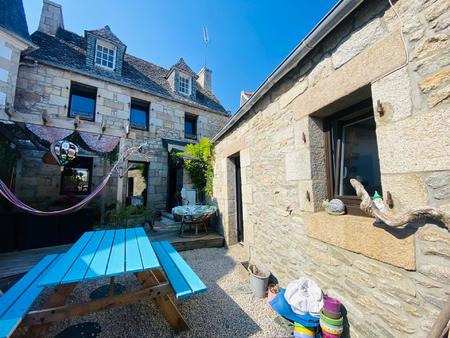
(303, 303)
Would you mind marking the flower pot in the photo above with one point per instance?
(259, 279)
(331, 304)
(331, 321)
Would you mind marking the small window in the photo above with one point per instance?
(190, 126)
(184, 84)
(352, 152)
(139, 114)
(105, 54)
(82, 101)
(76, 177)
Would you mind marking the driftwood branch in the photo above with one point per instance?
(396, 221)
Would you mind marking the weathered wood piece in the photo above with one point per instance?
(58, 313)
(167, 307)
(396, 221)
(59, 297)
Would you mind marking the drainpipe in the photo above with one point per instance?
(338, 13)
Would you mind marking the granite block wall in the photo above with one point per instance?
(393, 283)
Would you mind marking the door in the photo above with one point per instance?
(239, 214)
(175, 182)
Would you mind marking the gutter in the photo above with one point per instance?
(338, 13)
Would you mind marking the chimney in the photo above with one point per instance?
(51, 18)
(205, 79)
(245, 96)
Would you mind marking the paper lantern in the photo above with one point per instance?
(64, 152)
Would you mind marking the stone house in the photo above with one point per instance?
(89, 85)
(365, 95)
(14, 39)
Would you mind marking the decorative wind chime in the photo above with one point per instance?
(64, 152)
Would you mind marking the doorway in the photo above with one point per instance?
(137, 183)
(238, 190)
(175, 181)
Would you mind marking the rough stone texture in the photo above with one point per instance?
(370, 268)
(345, 232)
(46, 89)
(10, 49)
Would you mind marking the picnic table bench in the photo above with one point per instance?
(98, 254)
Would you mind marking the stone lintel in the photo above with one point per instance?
(384, 56)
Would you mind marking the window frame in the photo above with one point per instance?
(192, 118)
(361, 110)
(189, 84)
(86, 91)
(144, 106)
(90, 171)
(106, 45)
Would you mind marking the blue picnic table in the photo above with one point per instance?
(158, 267)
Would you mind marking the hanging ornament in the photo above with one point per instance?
(64, 152)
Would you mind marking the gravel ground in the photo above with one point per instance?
(227, 309)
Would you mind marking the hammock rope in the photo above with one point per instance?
(9, 195)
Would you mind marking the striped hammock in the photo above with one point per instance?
(8, 194)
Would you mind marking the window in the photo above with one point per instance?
(352, 152)
(76, 177)
(105, 54)
(184, 84)
(139, 114)
(82, 101)
(190, 126)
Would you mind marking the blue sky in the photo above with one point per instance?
(248, 39)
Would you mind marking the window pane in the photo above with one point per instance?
(138, 118)
(104, 56)
(359, 158)
(188, 127)
(83, 106)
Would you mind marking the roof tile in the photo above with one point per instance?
(67, 50)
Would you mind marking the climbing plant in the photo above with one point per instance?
(199, 162)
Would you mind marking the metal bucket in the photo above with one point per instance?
(259, 280)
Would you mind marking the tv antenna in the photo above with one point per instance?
(205, 40)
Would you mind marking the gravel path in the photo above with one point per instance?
(227, 309)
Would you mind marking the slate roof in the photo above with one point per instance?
(105, 33)
(182, 65)
(67, 50)
(12, 18)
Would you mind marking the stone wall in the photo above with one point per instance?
(10, 49)
(40, 184)
(393, 283)
(44, 89)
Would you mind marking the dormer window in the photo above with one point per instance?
(184, 86)
(105, 55)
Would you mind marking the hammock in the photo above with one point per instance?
(8, 194)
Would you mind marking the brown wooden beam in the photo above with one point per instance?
(58, 298)
(167, 307)
(53, 314)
